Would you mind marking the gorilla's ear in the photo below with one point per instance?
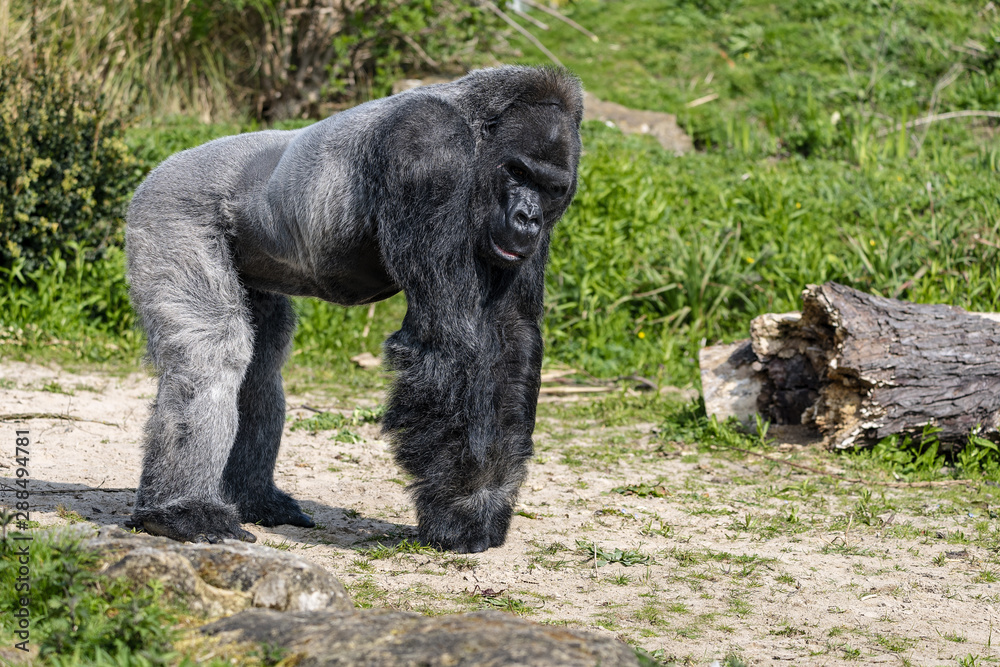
(490, 126)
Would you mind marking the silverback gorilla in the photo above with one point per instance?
(447, 192)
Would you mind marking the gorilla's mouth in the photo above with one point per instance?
(505, 254)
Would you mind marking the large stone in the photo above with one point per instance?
(663, 126)
(284, 601)
(223, 578)
(402, 639)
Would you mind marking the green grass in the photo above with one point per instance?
(328, 421)
(380, 551)
(782, 70)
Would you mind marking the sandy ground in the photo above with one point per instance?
(728, 555)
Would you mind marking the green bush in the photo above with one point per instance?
(65, 172)
(380, 41)
(77, 617)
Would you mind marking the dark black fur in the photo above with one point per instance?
(449, 193)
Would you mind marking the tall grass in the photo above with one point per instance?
(165, 55)
(232, 59)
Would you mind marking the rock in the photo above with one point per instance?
(367, 360)
(661, 125)
(404, 639)
(282, 600)
(218, 579)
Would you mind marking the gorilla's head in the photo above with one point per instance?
(529, 153)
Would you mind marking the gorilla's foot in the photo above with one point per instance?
(273, 508)
(191, 521)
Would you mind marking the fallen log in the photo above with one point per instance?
(859, 367)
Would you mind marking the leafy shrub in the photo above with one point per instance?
(78, 617)
(380, 41)
(65, 172)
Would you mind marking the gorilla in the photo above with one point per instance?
(448, 193)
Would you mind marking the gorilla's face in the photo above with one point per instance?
(532, 152)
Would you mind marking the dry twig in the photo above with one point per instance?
(521, 29)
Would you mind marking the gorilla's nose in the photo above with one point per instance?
(525, 224)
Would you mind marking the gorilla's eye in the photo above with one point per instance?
(490, 126)
(517, 172)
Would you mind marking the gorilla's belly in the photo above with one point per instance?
(349, 277)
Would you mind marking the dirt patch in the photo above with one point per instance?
(693, 556)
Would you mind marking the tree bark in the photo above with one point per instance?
(860, 367)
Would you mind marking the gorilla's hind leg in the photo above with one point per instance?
(191, 305)
(248, 480)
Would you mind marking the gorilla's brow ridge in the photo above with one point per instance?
(544, 171)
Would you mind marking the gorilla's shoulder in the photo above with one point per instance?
(428, 122)
(421, 135)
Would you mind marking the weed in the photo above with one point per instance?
(738, 605)
(650, 613)
(894, 643)
(509, 604)
(621, 579)
(329, 421)
(602, 556)
(381, 551)
(54, 387)
(734, 660)
(986, 577)
(365, 593)
(363, 564)
(850, 653)
(788, 630)
(656, 526)
(283, 545)
(68, 514)
(461, 562)
(642, 490)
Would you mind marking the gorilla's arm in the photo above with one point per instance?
(457, 345)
